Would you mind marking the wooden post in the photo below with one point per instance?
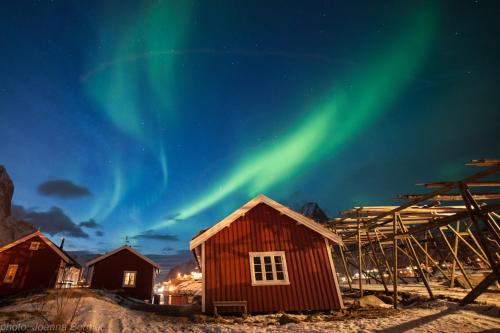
(478, 290)
(474, 239)
(360, 263)
(456, 258)
(387, 265)
(455, 249)
(428, 256)
(417, 262)
(438, 249)
(395, 274)
(346, 269)
(469, 203)
(457, 234)
(381, 274)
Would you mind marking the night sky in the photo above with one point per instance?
(153, 120)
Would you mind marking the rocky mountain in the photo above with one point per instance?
(10, 228)
(312, 210)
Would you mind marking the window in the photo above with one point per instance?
(268, 268)
(34, 246)
(11, 274)
(129, 278)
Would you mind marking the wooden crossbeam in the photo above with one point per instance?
(450, 197)
(485, 162)
(484, 183)
(493, 169)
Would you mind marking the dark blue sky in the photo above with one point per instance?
(156, 119)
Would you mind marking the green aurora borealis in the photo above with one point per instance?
(330, 124)
(172, 114)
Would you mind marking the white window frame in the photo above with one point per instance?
(129, 285)
(274, 281)
(5, 280)
(34, 246)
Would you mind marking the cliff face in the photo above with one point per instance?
(10, 228)
(6, 192)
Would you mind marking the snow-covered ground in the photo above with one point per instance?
(99, 313)
(490, 296)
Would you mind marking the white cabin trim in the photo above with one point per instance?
(203, 278)
(334, 272)
(299, 218)
(45, 240)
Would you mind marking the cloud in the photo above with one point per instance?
(62, 188)
(99, 233)
(52, 221)
(174, 217)
(152, 235)
(90, 224)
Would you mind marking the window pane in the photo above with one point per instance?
(280, 276)
(267, 260)
(11, 273)
(258, 276)
(279, 268)
(269, 268)
(256, 260)
(257, 268)
(269, 276)
(277, 259)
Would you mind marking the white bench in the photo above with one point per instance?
(242, 304)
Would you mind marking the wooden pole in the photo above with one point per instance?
(469, 203)
(417, 262)
(455, 249)
(346, 269)
(474, 239)
(438, 249)
(428, 256)
(456, 258)
(395, 274)
(478, 290)
(377, 262)
(457, 234)
(360, 263)
(386, 261)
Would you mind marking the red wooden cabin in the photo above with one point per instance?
(270, 256)
(126, 270)
(35, 262)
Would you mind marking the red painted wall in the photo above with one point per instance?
(227, 271)
(108, 274)
(37, 269)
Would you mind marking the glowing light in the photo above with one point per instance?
(135, 96)
(329, 125)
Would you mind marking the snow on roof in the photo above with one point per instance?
(307, 222)
(66, 257)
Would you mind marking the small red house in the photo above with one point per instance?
(270, 256)
(35, 262)
(124, 269)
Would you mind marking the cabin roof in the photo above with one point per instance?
(124, 247)
(63, 254)
(307, 222)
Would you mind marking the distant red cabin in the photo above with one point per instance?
(126, 270)
(270, 256)
(35, 262)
